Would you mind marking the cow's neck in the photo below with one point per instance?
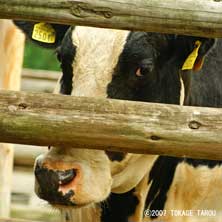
(91, 213)
(126, 207)
(141, 192)
(132, 173)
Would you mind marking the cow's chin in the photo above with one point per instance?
(80, 195)
(67, 207)
(80, 198)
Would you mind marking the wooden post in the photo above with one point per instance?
(11, 57)
(6, 163)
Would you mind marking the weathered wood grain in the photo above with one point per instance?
(14, 220)
(190, 17)
(47, 119)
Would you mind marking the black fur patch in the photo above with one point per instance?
(66, 54)
(115, 156)
(159, 84)
(209, 163)
(160, 178)
(49, 185)
(119, 207)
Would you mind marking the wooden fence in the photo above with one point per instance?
(110, 124)
(193, 17)
(127, 126)
(192, 123)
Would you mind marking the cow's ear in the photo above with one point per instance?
(206, 45)
(43, 34)
(198, 49)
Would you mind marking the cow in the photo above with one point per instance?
(105, 186)
(11, 58)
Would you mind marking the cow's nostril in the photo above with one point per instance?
(66, 176)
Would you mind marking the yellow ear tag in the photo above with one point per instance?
(44, 32)
(190, 61)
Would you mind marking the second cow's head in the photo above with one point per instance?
(117, 64)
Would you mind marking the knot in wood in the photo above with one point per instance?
(155, 138)
(22, 106)
(77, 11)
(84, 10)
(194, 125)
(108, 14)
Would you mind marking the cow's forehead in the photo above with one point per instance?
(97, 54)
(97, 36)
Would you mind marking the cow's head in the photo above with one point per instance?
(116, 64)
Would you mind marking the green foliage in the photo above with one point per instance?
(37, 57)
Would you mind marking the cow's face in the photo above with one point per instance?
(116, 64)
(104, 63)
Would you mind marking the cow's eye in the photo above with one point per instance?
(145, 68)
(49, 147)
(139, 72)
(143, 71)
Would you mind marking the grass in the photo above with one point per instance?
(37, 57)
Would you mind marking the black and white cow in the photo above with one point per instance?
(119, 187)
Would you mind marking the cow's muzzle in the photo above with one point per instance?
(55, 186)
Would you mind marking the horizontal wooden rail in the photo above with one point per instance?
(41, 74)
(47, 119)
(39, 80)
(25, 155)
(190, 17)
(15, 220)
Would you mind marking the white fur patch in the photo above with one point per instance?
(132, 173)
(194, 189)
(182, 90)
(97, 54)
